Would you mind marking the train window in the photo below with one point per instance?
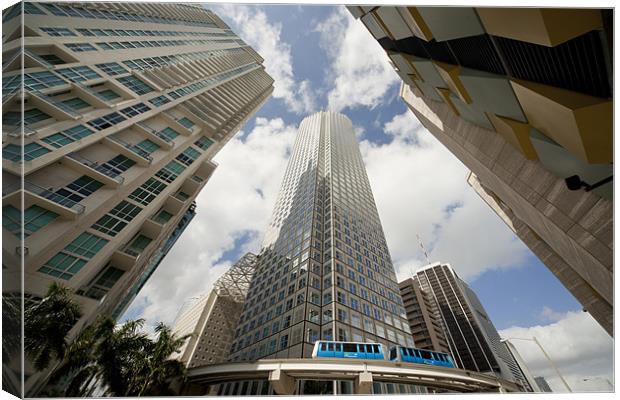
(323, 346)
(350, 347)
(338, 347)
(369, 348)
(376, 347)
(330, 346)
(426, 354)
(392, 353)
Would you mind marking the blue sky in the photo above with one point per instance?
(321, 58)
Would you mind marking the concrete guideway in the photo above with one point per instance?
(282, 374)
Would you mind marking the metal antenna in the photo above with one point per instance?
(423, 249)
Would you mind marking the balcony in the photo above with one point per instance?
(93, 97)
(140, 156)
(36, 59)
(47, 198)
(56, 109)
(159, 137)
(183, 129)
(17, 132)
(99, 171)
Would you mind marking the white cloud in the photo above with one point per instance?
(236, 202)
(360, 73)
(253, 26)
(577, 344)
(421, 188)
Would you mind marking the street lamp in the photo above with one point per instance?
(533, 339)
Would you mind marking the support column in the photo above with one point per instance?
(363, 383)
(281, 382)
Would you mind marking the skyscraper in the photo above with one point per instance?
(324, 271)
(542, 384)
(213, 318)
(523, 97)
(473, 340)
(423, 316)
(124, 107)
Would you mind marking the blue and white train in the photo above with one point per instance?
(375, 351)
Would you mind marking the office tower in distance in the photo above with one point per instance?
(542, 384)
(423, 316)
(213, 318)
(124, 107)
(520, 362)
(523, 97)
(324, 271)
(473, 340)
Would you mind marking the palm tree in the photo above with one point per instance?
(47, 323)
(159, 366)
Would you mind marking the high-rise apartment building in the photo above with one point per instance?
(212, 319)
(542, 384)
(424, 318)
(473, 340)
(124, 106)
(324, 271)
(523, 97)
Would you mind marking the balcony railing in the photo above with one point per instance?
(48, 194)
(97, 167)
(57, 104)
(95, 93)
(38, 58)
(142, 153)
(159, 134)
(17, 132)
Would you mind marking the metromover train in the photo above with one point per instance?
(375, 351)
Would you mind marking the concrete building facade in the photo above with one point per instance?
(124, 107)
(212, 319)
(542, 384)
(523, 97)
(473, 340)
(424, 318)
(324, 271)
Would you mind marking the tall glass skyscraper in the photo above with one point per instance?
(324, 271)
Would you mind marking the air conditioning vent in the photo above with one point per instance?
(477, 52)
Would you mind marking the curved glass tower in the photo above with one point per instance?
(324, 271)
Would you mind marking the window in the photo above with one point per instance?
(135, 84)
(117, 218)
(58, 31)
(78, 74)
(170, 171)
(79, 47)
(41, 80)
(106, 121)
(108, 94)
(159, 100)
(72, 258)
(148, 191)
(30, 8)
(35, 218)
(76, 103)
(148, 146)
(31, 116)
(188, 156)
(283, 342)
(186, 122)
(52, 59)
(112, 68)
(170, 133)
(118, 164)
(104, 282)
(13, 152)
(138, 244)
(162, 217)
(134, 110)
(85, 32)
(203, 143)
(79, 189)
(58, 140)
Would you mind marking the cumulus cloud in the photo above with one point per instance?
(360, 73)
(581, 349)
(233, 211)
(254, 27)
(420, 189)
